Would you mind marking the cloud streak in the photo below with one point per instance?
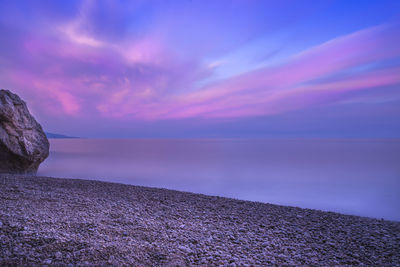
(284, 87)
(156, 69)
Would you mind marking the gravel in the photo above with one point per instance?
(66, 222)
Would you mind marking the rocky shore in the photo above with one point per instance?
(65, 222)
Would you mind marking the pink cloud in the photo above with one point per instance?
(69, 71)
(284, 87)
(265, 91)
(61, 100)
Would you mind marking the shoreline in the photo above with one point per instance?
(212, 195)
(58, 221)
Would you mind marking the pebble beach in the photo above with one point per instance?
(68, 222)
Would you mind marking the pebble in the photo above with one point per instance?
(185, 249)
(47, 261)
(78, 222)
(58, 255)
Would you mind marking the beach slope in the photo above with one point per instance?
(51, 221)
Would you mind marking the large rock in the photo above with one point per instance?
(23, 144)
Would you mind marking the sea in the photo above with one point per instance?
(350, 176)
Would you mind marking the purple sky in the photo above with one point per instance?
(205, 68)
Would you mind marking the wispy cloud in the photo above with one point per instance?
(162, 70)
(285, 87)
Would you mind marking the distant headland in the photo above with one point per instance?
(56, 135)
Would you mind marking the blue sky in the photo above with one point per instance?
(184, 69)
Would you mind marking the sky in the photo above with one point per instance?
(205, 69)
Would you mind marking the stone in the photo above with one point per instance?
(176, 261)
(47, 261)
(23, 144)
(184, 249)
(58, 255)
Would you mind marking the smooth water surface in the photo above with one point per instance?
(360, 177)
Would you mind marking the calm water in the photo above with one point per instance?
(359, 177)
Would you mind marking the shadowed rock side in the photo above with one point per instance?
(23, 144)
(62, 222)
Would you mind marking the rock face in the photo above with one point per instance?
(23, 144)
